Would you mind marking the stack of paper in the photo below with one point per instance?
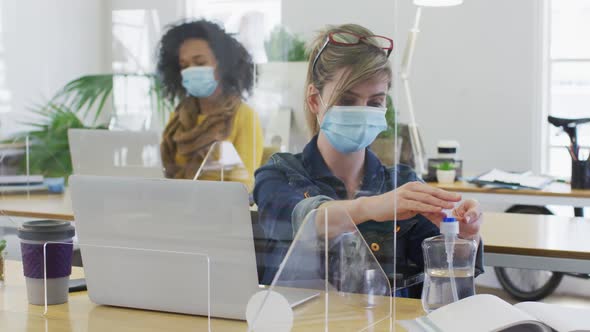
(20, 179)
(21, 183)
(526, 179)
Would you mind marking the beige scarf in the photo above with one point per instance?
(182, 136)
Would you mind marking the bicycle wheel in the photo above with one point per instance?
(525, 284)
(528, 285)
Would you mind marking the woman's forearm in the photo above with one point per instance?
(357, 209)
(341, 216)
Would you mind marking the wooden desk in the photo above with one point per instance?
(52, 206)
(537, 242)
(38, 205)
(554, 194)
(79, 314)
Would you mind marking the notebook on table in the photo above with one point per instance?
(489, 313)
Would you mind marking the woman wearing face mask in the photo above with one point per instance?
(207, 72)
(348, 78)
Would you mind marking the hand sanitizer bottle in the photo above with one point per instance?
(449, 264)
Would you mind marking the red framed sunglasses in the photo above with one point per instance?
(351, 39)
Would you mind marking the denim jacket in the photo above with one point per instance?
(289, 186)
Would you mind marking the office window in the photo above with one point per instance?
(570, 78)
(134, 33)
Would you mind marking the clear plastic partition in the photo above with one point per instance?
(223, 163)
(225, 85)
(329, 279)
(272, 82)
(33, 176)
(227, 147)
(115, 276)
(12, 154)
(193, 238)
(331, 85)
(19, 165)
(115, 153)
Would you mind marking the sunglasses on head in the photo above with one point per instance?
(351, 39)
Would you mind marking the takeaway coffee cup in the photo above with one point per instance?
(58, 235)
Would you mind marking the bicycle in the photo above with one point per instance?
(534, 285)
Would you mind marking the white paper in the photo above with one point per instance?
(560, 318)
(524, 179)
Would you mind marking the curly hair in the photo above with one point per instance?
(234, 63)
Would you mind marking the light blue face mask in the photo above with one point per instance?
(353, 128)
(199, 81)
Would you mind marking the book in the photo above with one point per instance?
(524, 180)
(23, 188)
(20, 179)
(489, 313)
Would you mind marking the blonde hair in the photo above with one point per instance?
(361, 62)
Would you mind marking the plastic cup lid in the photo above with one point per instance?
(46, 230)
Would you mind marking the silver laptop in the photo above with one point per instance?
(170, 245)
(115, 153)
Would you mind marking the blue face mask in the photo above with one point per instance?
(353, 128)
(199, 81)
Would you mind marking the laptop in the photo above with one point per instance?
(158, 243)
(115, 153)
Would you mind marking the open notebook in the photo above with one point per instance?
(490, 313)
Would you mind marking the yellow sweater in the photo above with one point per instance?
(246, 137)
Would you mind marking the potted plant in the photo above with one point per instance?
(2, 254)
(49, 151)
(280, 80)
(91, 94)
(446, 173)
(283, 46)
(383, 146)
(82, 98)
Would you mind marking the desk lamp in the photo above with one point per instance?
(417, 147)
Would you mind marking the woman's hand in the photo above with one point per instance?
(412, 198)
(469, 216)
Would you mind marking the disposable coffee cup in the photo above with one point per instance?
(58, 258)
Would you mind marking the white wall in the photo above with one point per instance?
(47, 44)
(477, 78)
(477, 71)
(307, 16)
(169, 12)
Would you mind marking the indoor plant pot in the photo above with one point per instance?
(445, 176)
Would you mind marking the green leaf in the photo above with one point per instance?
(284, 46)
(49, 146)
(49, 151)
(2, 245)
(83, 93)
(446, 166)
(390, 118)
